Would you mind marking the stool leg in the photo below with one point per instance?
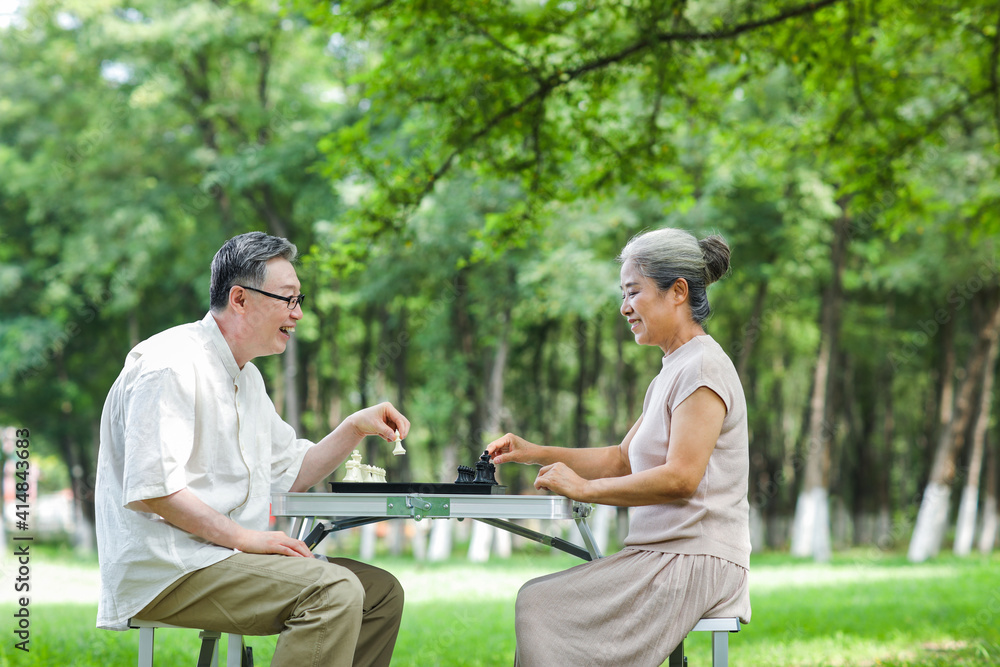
(677, 657)
(720, 649)
(146, 647)
(235, 651)
(209, 655)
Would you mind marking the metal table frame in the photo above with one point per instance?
(338, 511)
(347, 510)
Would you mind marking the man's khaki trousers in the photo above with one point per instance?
(332, 613)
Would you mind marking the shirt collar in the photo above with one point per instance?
(221, 346)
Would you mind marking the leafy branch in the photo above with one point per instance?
(546, 85)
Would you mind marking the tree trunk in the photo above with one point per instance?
(8, 438)
(539, 336)
(79, 459)
(612, 433)
(774, 486)
(485, 536)
(369, 541)
(133, 330)
(882, 535)
(932, 518)
(397, 537)
(419, 541)
(464, 333)
(966, 528)
(865, 475)
(364, 355)
(503, 545)
(398, 347)
(811, 532)
(439, 548)
(493, 424)
(991, 518)
(291, 372)
(335, 400)
(312, 401)
(481, 542)
(600, 525)
(751, 332)
(947, 410)
(580, 428)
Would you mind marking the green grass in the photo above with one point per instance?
(861, 609)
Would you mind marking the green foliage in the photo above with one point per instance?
(575, 100)
(133, 139)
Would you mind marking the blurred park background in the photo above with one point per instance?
(459, 177)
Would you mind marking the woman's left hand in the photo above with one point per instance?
(560, 478)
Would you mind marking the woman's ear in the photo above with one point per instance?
(679, 290)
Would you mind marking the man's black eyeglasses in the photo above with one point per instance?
(292, 301)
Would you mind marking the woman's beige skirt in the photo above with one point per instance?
(629, 609)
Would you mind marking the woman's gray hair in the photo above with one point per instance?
(242, 260)
(664, 255)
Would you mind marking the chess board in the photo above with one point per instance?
(419, 488)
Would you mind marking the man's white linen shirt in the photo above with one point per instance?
(182, 414)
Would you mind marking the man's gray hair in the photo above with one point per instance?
(242, 260)
(664, 255)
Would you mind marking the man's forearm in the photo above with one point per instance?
(186, 511)
(321, 459)
(326, 456)
(189, 513)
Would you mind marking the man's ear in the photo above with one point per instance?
(238, 299)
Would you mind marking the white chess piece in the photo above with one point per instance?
(398, 451)
(354, 468)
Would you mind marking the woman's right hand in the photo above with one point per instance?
(511, 448)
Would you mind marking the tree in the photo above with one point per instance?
(966, 528)
(134, 144)
(932, 519)
(811, 535)
(576, 99)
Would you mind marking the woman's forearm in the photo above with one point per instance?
(587, 462)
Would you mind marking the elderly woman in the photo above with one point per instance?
(683, 466)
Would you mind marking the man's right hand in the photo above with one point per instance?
(272, 542)
(188, 512)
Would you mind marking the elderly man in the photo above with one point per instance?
(191, 449)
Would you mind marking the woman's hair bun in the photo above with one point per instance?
(716, 252)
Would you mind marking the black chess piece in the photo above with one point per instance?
(466, 475)
(485, 470)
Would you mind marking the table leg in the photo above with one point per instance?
(588, 538)
(547, 540)
(301, 526)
